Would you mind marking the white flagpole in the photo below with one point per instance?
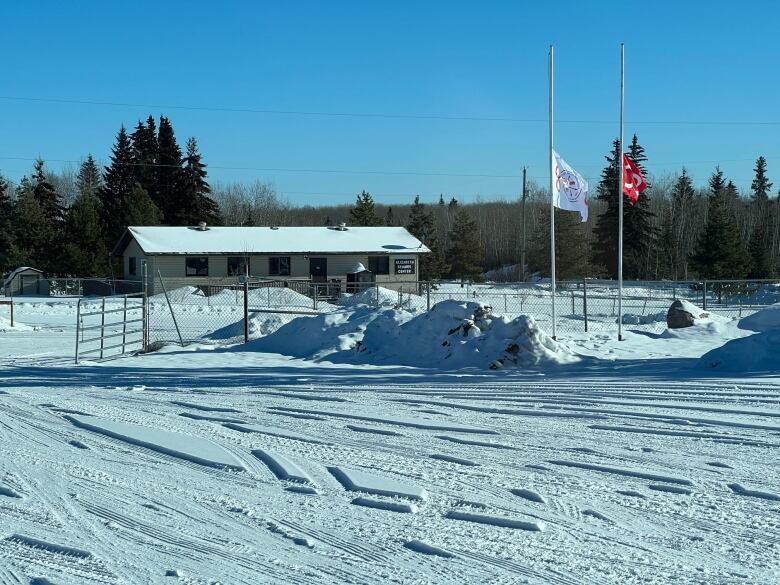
(620, 203)
(552, 196)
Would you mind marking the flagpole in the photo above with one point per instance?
(552, 195)
(620, 202)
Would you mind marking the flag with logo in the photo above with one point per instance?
(633, 181)
(570, 190)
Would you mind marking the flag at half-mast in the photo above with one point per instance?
(570, 190)
(633, 181)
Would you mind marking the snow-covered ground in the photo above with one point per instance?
(652, 460)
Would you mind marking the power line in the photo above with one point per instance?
(376, 115)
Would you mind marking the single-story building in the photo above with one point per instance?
(205, 255)
(25, 281)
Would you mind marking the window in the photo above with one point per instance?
(131, 266)
(197, 266)
(379, 264)
(238, 265)
(279, 266)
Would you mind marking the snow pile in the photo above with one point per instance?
(5, 325)
(278, 297)
(759, 353)
(457, 334)
(185, 294)
(370, 297)
(260, 324)
(452, 335)
(632, 319)
(763, 320)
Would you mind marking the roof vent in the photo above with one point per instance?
(202, 227)
(342, 227)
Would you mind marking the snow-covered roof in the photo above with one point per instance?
(271, 240)
(14, 273)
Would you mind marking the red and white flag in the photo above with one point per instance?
(633, 181)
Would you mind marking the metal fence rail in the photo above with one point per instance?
(109, 319)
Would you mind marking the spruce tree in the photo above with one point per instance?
(85, 253)
(422, 225)
(364, 213)
(8, 251)
(31, 229)
(118, 181)
(466, 255)
(139, 209)
(571, 251)
(89, 180)
(760, 243)
(719, 252)
(47, 197)
(389, 221)
(639, 234)
(760, 186)
(676, 241)
(168, 172)
(193, 204)
(145, 155)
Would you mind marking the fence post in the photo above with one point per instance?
(704, 296)
(573, 309)
(585, 302)
(78, 327)
(170, 308)
(145, 308)
(102, 326)
(314, 296)
(246, 309)
(124, 324)
(376, 288)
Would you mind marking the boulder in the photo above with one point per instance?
(683, 314)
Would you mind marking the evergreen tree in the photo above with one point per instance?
(466, 255)
(167, 171)
(571, 253)
(422, 225)
(758, 249)
(389, 217)
(145, 155)
(675, 240)
(85, 253)
(47, 197)
(31, 229)
(139, 209)
(363, 213)
(8, 251)
(441, 199)
(113, 195)
(89, 180)
(639, 234)
(719, 252)
(760, 244)
(760, 185)
(193, 204)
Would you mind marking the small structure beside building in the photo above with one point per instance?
(206, 256)
(25, 281)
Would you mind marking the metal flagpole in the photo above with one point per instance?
(522, 246)
(552, 197)
(620, 203)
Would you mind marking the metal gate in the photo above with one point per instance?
(111, 326)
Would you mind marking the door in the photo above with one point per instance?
(318, 269)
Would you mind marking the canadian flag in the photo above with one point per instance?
(633, 181)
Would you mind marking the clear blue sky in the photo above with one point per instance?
(692, 62)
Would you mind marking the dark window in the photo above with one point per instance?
(197, 266)
(131, 266)
(238, 265)
(379, 264)
(279, 266)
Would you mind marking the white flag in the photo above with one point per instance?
(570, 190)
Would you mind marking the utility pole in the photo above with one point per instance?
(522, 237)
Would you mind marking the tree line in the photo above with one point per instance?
(67, 223)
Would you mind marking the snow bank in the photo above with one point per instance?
(370, 297)
(632, 319)
(452, 335)
(759, 353)
(260, 324)
(763, 320)
(5, 325)
(185, 294)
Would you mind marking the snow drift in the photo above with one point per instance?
(756, 354)
(452, 335)
(5, 325)
(763, 320)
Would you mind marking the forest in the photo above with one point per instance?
(67, 222)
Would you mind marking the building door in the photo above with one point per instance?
(318, 269)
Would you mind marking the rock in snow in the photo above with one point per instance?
(683, 314)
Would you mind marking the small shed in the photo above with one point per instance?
(25, 281)
(359, 278)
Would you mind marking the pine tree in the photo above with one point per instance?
(571, 252)
(761, 186)
(8, 251)
(441, 199)
(758, 249)
(118, 181)
(139, 209)
(47, 197)
(676, 241)
(719, 252)
(422, 225)
(31, 229)
(639, 234)
(89, 180)
(760, 243)
(193, 204)
(389, 221)
(363, 213)
(466, 255)
(168, 171)
(145, 155)
(85, 253)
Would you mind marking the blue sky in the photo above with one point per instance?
(688, 64)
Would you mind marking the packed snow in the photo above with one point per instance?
(383, 445)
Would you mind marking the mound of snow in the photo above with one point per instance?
(278, 297)
(5, 325)
(452, 335)
(185, 294)
(632, 319)
(759, 353)
(763, 320)
(370, 297)
(260, 324)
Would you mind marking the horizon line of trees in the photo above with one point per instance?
(67, 224)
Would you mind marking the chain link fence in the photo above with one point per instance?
(69, 287)
(234, 313)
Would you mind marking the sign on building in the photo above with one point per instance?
(405, 265)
